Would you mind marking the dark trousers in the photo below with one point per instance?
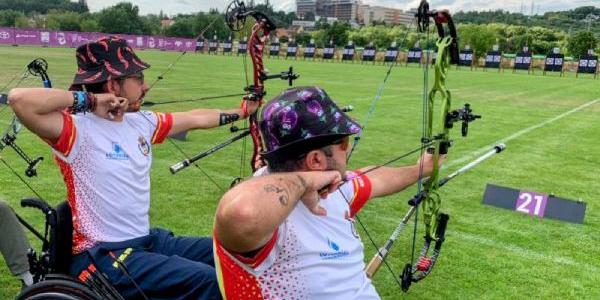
(164, 266)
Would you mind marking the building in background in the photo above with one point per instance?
(353, 11)
(303, 25)
(345, 10)
(305, 8)
(408, 17)
(391, 16)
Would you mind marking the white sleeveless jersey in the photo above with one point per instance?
(309, 257)
(106, 168)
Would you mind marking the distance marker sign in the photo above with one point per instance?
(535, 204)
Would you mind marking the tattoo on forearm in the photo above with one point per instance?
(282, 194)
(225, 118)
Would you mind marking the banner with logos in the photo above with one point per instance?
(52, 38)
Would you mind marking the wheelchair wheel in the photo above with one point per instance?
(58, 289)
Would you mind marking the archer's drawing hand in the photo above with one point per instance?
(110, 107)
(318, 185)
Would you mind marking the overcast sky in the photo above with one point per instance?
(172, 7)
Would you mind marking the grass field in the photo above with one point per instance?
(489, 253)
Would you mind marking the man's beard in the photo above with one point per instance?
(137, 105)
(134, 107)
(332, 165)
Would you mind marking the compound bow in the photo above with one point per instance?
(37, 68)
(236, 15)
(435, 143)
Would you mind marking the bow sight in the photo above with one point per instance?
(464, 115)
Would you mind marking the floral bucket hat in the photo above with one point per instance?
(300, 120)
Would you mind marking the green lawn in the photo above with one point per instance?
(489, 253)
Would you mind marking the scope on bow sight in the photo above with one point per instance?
(464, 115)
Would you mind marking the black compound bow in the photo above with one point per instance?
(37, 68)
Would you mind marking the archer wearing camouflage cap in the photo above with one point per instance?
(302, 119)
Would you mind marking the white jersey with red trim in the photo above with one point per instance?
(309, 257)
(106, 168)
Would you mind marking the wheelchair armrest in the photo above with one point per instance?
(37, 203)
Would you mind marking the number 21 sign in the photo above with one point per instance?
(535, 204)
(532, 203)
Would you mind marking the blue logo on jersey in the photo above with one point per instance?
(336, 253)
(117, 153)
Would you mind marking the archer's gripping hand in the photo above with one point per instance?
(426, 162)
(249, 107)
(318, 184)
(111, 107)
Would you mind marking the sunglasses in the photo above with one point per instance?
(343, 142)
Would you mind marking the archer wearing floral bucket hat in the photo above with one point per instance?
(298, 239)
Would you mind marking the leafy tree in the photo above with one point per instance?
(339, 32)
(30, 6)
(183, 27)
(380, 35)
(121, 18)
(151, 24)
(89, 24)
(568, 21)
(22, 22)
(65, 20)
(479, 37)
(581, 42)
(303, 38)
(9, 17)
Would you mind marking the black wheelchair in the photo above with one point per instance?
(50, 267)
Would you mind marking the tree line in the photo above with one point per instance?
(566, 30)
